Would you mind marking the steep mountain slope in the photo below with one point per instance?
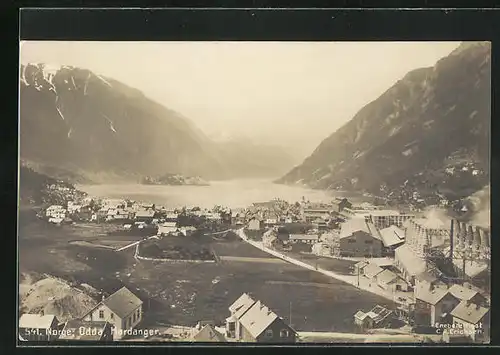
(429, 133)
(78, 122)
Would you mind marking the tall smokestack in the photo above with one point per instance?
(477, 238)
(451, 239)
(458, 234)
(486, 239)
(463, 235)
(470, 236)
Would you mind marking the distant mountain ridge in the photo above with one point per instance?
(77, 121)
(430, 131)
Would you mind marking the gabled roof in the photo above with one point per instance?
(426, 276)
(123, 302)
(379, 313)
(462, 293)
(71, 330)
(361, 264)
(353, 225)
(36, 321)
(391, 236)
(245, 301)
(209, 334)
(257, 319)
(469, 312)
(145, 213)
(372, 270)
(387, 276)
(168, 224)
(431, 295)
(360, 315)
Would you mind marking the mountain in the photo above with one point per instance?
(429, 134)
(89, 127)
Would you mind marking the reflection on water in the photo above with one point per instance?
(233, 193)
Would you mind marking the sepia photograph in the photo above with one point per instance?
(254, 192)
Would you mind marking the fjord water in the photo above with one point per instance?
(231, 193)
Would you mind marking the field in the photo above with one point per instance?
(330, 264)
(184, 293)
(177, 248)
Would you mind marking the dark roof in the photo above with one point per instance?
(71, 330)
(123, 302)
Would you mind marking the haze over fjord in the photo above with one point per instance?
(292, 94)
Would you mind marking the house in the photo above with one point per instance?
(260, 324)
(171, 217)
(340, 203)
(121, 214)
(377, 317)
(371, 271)
(269, 237)
(392, 237)
(85, 213)
(359, 266)
(320, 224)
(208, 333)
(321, 249)
(391, 282)
(38, 327)
(56, 211)
(78, 330)
(358, 238)
(237, 309)
(114, 203)
(73, 208)
(167, 228)
(473, 319)
(433, 304)
(303, 238)
(363, 321)
(463, 293)
(237, 218)
(56, 220)
(255, 224)
(251, 321)
(122, 309)
(144, 216)
(386, 218)
(271, 222)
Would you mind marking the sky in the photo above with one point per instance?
(293, 94)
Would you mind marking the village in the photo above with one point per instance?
(437, 272)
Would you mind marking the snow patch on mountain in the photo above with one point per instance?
(23, 75)
(104, 81)
(60, 113)
(110, 122)
(86, 84)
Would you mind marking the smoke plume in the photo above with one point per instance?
(480, 204)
